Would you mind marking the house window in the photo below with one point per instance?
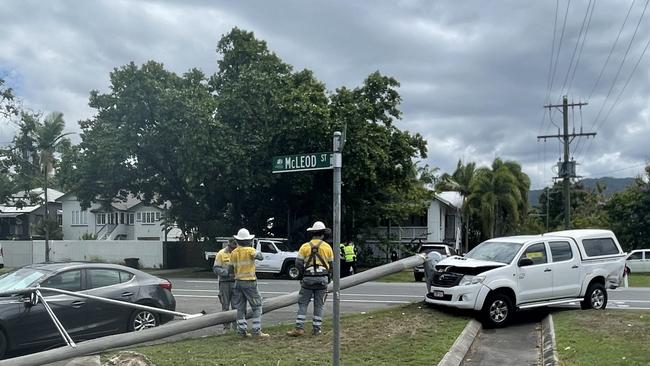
(139, 217)
(59, 219)
(157, 216)
(101, 219)
(79, 217)
(130, 222)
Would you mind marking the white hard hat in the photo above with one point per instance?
(243, 234)
(318, 226)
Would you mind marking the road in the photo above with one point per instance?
(196, 294)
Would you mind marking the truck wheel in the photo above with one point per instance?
(291, 270)
(497, 310)
(418, 276)
(595, 298)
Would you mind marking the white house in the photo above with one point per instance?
(442, 222)
(130, 220)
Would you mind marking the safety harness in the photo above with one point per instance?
(312, 267)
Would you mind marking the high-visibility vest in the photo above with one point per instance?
(243, 261)
(350, 255)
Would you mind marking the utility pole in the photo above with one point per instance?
(337, 164)
(566, 168)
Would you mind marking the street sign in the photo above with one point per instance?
(303, 162)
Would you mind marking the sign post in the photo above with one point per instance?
(321, 161)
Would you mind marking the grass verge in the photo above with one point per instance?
(597, 337)
(639, 280)
(414, 334)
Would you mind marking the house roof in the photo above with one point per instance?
(52, 194)
(450, 198)
(18, 211)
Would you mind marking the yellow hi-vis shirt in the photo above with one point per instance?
(243, 261)
(324, 250)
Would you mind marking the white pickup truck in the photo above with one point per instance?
(502, 275)
(278, 258)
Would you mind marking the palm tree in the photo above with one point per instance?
(496, 194)
(49, 138)
(461, 181)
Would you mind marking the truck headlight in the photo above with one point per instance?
(471, 280)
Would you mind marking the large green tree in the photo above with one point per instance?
(204, 144)
(629, 213)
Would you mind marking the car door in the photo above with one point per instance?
(565, 267)
(646, 261)
(37, 328)
(635, 261)
(535, 281)
(269, 252)
(105, 318)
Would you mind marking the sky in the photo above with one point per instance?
(474, 75)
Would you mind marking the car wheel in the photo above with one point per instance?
(143, 319)
(595, 298)
(418, 276)
(292, 271)
(497, 310)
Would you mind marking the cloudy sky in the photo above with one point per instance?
(474, 74)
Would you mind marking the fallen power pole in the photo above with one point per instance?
(130, 339)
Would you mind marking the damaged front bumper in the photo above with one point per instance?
(462, 297)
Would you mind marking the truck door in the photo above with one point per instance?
(534, 277)
(270, 254)
(565, 266)
(635, 261)
(646, 261)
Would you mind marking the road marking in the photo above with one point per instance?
(328, 300)
(284, 293)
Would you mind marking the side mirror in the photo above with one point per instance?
(31, 300)
(523, 262)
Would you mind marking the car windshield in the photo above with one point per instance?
(20, 279)
(282, 246)
(495, 251)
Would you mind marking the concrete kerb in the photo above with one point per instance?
(456, 354)
(549, 347)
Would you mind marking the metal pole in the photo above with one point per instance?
(336, 322)
(152, 334)
(46, 222)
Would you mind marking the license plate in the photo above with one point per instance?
(438, 293)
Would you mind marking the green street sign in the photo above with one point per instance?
(303, 162)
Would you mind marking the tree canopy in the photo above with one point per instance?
(204, 144)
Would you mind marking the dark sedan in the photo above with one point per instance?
(23, 325)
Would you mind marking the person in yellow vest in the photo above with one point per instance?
(226, 280)
(314, 261)
(349, 254)
(242, 261)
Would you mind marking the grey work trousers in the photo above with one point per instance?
(226, 289)
(310, 289)
(246, 293)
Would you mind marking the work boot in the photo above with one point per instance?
(316, 332)
(296, 332)
(243, 335)
(261, 335)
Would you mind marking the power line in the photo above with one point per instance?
(575, 48)
(620, 31)
(584, 39)
(557, 56)
(618, 72)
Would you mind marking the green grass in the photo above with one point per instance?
(603, 337)
(404, 276)
(414, 334)
(639, 280)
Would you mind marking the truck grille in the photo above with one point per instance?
(446, 279)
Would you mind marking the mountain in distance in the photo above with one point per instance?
(612, 185)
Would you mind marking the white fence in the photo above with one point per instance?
(20, 253)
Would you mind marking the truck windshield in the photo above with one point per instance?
(495, 251)
(282, 246)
